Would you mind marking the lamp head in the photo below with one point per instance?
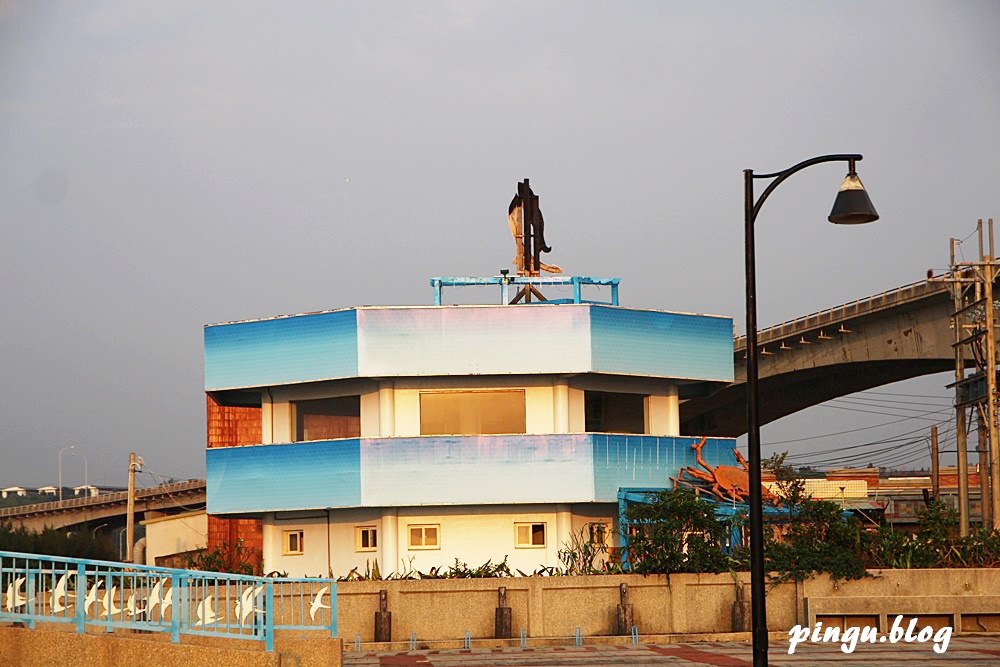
(852, 205)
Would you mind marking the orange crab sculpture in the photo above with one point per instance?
(728, 482)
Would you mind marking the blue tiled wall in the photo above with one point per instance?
(378, 472)
(658, 344)
(303, 348)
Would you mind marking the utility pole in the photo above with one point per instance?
(991, 381)
(935, 466)
(984, 473)
(960, 435)
(974, 320)
(134, 463)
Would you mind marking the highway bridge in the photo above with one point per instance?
(896, 335)
(161, 500)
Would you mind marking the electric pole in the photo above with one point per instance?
(134, 464)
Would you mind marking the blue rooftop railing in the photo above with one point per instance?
(106, 595)
(505, 281)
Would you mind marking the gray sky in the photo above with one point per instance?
(166, 165)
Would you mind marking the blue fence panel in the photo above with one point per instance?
(108, 595)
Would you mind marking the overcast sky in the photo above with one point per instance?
(164, 165)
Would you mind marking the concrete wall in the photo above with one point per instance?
(49, 646)
(439, 610)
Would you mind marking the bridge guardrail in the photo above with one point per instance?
(104, 499)
(857, 307)
(82, 592)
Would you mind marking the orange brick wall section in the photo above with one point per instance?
(230, 425)
(233, 426)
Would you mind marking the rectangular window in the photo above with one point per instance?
(472, 412)
(424, 537)
(598, 533)
(328, 418)
(529, 535)
(292, 542)
(610, 412)
(366, 538)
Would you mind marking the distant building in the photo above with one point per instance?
(415, 436)
(171, 539)
(48, 490)
(86, 490)
(14, 491)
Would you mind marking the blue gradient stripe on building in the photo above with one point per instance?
(447, 470)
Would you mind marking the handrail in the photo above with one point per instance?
(108, 595)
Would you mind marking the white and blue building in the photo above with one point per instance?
(415, 436)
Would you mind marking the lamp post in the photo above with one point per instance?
(852, 206)
(60, 468)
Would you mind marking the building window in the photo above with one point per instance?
(366, 538)
(424, 537)
(327, 418)
(292, 542)
(529, 535)
(610, 412)
(598, 533)
(472, 412)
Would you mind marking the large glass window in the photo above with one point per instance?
(472, 412)
(328, 418)
(610, 412)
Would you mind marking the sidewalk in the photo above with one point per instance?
(966, 650)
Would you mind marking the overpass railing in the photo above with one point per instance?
(864, 306)
(102, 595)
(103, 499)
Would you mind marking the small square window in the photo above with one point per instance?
(424, 537)
(292, 542)
(527, 535)
(366, 538)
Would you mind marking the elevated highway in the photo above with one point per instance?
(896, 335)
(163, 499)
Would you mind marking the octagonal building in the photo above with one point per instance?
(415, 436)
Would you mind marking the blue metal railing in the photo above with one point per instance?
(82, 592)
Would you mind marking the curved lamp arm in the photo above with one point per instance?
(780, 176)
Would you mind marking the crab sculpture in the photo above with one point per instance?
(728, 482)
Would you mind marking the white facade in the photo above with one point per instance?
(473, 534)
(391, 408)
(331, 541)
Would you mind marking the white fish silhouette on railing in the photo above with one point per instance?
(317, 602)
(14, 599)
(130, 607)
(205, 612)
(91, 596)
(108, 602)
(246, 605)
(59, 594)
(158, 597)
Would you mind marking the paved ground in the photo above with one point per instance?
(975, 651)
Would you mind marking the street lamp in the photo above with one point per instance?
(60, 468)
(852, 206)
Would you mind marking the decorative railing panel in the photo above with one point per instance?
(90, 593)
